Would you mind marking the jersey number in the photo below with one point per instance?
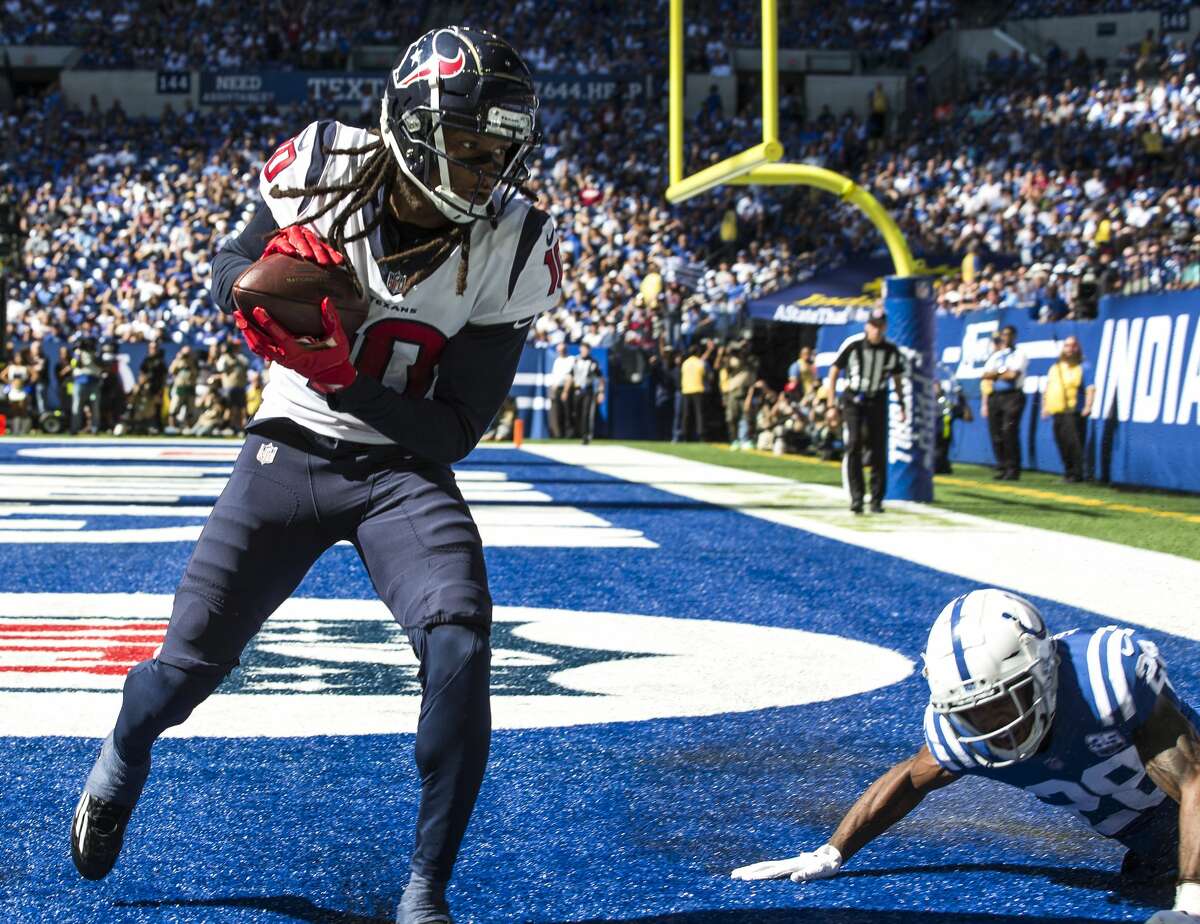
(279, 161)
(1121, 779)
(553, 261)
(402, 354)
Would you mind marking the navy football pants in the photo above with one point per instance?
(423, 553)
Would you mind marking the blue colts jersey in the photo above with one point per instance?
(1108, 683)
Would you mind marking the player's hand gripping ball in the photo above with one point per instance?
(822, 863)
(300, 242)
(325, 363)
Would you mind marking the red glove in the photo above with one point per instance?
(299, 241)
(325, 363)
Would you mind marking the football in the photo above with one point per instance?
(291, 289)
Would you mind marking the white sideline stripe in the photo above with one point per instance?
(1078, 571)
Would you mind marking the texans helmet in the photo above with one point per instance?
(992, 670)
(470, 81)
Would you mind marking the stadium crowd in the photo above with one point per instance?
(1075, 181)
(176, 35)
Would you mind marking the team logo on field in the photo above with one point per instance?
(338, 667)
(1102, 744)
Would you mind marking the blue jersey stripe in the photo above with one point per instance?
(960, 657)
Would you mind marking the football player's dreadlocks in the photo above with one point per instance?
(379, 171)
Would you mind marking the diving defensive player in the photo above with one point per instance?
(1086, 721)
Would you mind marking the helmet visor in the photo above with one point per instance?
(480, 155)
(1003, 721)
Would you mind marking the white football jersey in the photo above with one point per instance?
(515, 272)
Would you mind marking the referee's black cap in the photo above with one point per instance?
(877, 316)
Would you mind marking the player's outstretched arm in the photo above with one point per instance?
(885, 802)
(1169, 746)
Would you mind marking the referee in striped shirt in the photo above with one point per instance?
(868, 359)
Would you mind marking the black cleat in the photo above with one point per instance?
(96, 835)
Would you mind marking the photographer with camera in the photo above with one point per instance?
(868, 360)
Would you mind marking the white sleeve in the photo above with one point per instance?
(298, 162)
(534, 282)
(1017, 361)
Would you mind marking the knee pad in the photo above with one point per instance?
(157, 696)
(455, 665)
(198, 639)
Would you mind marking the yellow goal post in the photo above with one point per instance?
(761, 164)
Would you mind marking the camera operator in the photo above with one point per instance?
(868, 359)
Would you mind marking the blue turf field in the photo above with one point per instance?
(633, 821)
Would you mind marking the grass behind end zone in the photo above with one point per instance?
(1155, 520)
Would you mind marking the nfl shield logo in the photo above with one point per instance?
(266, 453)
(395, 281)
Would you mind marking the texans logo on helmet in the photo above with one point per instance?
(436, 66)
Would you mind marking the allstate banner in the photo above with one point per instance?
(1143, 355)
(261, 88)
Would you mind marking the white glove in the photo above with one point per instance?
(1187, 906)
(818, 864)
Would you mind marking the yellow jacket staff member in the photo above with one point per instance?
(693, 374)
(1068, 399)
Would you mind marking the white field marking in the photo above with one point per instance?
(688, 667)
(41, 524)
(124, 490)
(122, 472)
(105, 510)
(490, 514)
(494, 535)
(1118, 582)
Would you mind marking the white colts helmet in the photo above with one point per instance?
(991, 649)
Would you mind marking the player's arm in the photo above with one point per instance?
(885, 802)
(238, 253)
(475, 373)
(1169, 747)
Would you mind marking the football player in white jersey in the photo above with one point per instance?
(1086, 721)
(354, 437)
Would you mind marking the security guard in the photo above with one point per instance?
(1005, 369)
(868, 359)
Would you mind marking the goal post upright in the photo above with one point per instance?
(907, 297)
